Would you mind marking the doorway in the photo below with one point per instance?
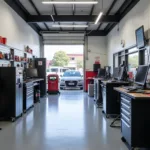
(67, 62)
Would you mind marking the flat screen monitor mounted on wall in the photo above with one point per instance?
(140, 38)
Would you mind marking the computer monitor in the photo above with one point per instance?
(107, 74)
(140, 38)
(101, 73)
(141, 75)
(121, 73)
(115, 73)
(31, 73)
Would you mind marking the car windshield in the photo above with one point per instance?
(72, 74)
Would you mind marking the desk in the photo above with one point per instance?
(111, 106)
(29, 87)
(135, 119)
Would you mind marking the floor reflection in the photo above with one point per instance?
(69, 121)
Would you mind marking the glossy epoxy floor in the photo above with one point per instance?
(70, 121)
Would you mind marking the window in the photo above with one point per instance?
(116, 60)
(54, 70)
(132, 50)
(122, 58)
(133, 62)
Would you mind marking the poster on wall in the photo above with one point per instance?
(97, 60)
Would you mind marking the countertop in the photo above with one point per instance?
(116, 82)
(33, 80)
(133, 95)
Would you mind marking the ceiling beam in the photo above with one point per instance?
(73, 9)
(126, 7)
(111, 7)
(21, 11)
(14, 5)
(92, 9)
(123, 6)
(22, 7)
(109, 10)
(37, 11)
(55, 11)
(71, 18)
(88, 32)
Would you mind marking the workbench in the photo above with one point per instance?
(135, 118)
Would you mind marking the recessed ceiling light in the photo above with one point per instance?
(70, 26)
(69, 2)
(98, 17)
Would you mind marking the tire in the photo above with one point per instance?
(61, 88)
(81, 88)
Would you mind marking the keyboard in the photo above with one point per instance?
(131, 88)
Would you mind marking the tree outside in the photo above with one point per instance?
(60, 59)
(133, 60)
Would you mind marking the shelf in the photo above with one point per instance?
(4, 60)
(13, 61)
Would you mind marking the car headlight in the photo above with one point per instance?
(80, 80)
(62, 80)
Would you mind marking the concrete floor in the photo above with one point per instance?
(70, 121)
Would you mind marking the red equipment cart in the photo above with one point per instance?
(53, 80)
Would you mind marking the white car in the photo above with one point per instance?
(71, 80)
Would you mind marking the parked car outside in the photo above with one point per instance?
(71, 80)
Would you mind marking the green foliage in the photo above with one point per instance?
(79, 64)
(133, 60)
(60, 59)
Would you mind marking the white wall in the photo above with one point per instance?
(138, 16)
(97, 47)
(16, 30)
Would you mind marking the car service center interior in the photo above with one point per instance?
(110, 110)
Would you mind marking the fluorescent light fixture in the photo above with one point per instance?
(70, 2)
(98, 18)
(70, 26)
(52, 18)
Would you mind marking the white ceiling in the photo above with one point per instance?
(68, 10)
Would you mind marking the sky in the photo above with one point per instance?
(49, 50)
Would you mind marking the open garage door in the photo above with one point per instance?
(63, 38)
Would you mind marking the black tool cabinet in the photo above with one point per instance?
(28, 96)
(135, 121)
(111, 104)
(11, 93)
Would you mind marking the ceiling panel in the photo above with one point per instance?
(64, 9)
(103, 26)
(28, 7)
(98, 7)
(49, 24)
(117, 6)
(42, 26)
(82, 9)
(92, 26)
(43, 9)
